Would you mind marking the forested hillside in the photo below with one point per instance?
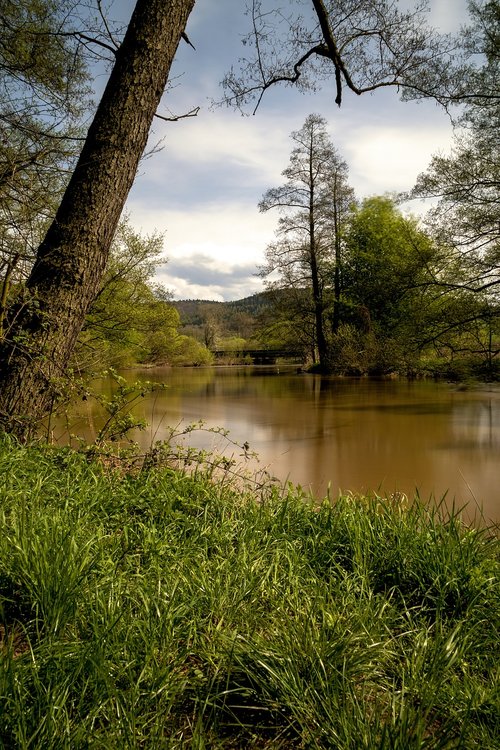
(212, 322)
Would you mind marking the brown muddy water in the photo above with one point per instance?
(335, 434)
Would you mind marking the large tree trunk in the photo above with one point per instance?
(42, 331)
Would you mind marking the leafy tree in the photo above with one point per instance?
(42, 96)
(212, 324)
(43, 327)
(478, 80)
(386, 272)
(464, 280)
(465, 220)
(128, 326)
(185, 350)
(43, 91)
(458, 333)
(341, 203)
(311, 204)
(288, 322)
(130, 319)
(467, 182)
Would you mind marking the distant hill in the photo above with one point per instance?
(235, 318)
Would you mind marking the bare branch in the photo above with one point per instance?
(174, 118)
(92, 40)
(106, 25)
(368, 45)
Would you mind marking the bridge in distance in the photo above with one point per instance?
(258, 356)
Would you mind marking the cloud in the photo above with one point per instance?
(213, 251)
(233, 233)
(448, 16)
(201, 276)
(390, 159)
(215, 155)
(203, 270)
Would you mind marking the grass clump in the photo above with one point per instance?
(164, 610)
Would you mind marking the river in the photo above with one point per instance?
(337, 434)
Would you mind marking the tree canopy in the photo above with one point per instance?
(43, 95)
(465, 188)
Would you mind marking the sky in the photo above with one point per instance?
(202, 188)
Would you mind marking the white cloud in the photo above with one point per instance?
(230, 233)
(184, 288)
(387, 159)
(205, 277)
(227, 139)
(217, 157)
(224, 243)
(447, 15)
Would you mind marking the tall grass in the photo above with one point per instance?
(165, 611)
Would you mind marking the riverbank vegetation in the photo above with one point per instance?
(362, 287)
(159, 609)
(131, 320)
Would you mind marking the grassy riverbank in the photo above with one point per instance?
(163, 611)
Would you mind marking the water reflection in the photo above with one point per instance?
(358, 435)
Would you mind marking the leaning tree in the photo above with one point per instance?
(42, 327)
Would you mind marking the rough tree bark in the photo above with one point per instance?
(42, 330)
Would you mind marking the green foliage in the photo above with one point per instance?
(383, 298)
(42, 97)
(131, 321)
(130, 325)
(35, 53)
(210, 322)
(165, 610)
(465, 219)
(387, 258)
(185, 350)
(462, 332)
(233, 344)
(118, 406)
